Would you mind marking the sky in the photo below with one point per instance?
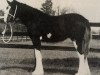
(88, 8)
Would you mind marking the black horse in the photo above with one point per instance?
(53, 29)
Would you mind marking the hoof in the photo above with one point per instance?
(37, 73)
(81, 73)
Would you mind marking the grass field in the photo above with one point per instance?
(56, 61)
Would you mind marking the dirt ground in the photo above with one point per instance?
(55, 62)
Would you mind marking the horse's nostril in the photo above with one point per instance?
(7, 8)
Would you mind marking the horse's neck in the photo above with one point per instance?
(32, 15)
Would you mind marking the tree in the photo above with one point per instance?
(67, 10)
(47, 7)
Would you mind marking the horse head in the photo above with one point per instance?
(10, 11)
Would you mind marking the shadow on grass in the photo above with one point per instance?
(70, 62)
(65, 66)
(46, 70)
(63, 71)
(60, 48)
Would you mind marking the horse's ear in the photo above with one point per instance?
(10, 1)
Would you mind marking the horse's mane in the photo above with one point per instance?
(31, 9)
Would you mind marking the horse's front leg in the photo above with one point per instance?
(38, 56)
(39, 66)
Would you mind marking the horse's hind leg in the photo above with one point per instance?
(82, 51)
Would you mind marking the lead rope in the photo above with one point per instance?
(3, 33)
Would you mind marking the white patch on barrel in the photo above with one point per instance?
(87, 67)
(49, 35)
(39, 66)
(40, 37)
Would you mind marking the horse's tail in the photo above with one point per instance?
(86, 40)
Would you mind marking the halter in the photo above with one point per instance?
(14, 12)
(4, 31)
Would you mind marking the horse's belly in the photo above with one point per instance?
(53, 38)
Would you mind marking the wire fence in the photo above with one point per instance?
(20, 32)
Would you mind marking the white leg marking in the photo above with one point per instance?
(87, 67)
(83, 66)
(74, 42)
(39, 66)
(49, 35)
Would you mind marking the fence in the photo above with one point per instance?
(94, 36)
(16, 50)
(26, 34)
(20, 32)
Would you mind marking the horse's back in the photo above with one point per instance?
(76, 25)
(67, 26)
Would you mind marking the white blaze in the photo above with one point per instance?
(83, 63)
(10, 0)
(6, 12)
